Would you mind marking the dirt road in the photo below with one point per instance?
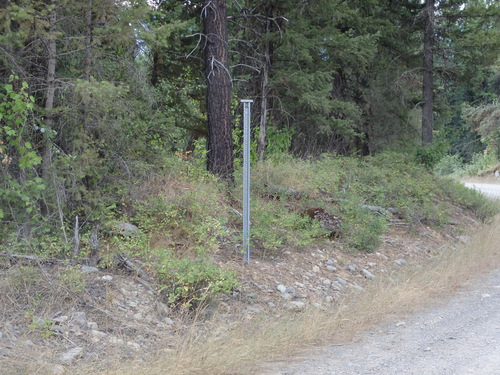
(490, 190)
(460, 336)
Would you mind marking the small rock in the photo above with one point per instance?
(253, 309)
(336, 285)
(326, 281)
(132, 303)
(328, 299)
(286, 296)
(341, 281)
(299, 285)
(134, 345)
(57, 370)
(88, 269)
(428, 349)
(93, 326)
(331, 268)
(1, 335)
(329, 262)
(61, 319)
(485, 295)
(464, 239)
(400, 262)
(80, 319)
(310, 274)
(368, 274)
(56, 328)
(138, 316)
(281, 288)
(357, 287)
(352, 268)
(287, 252)
(114, 340)
(127, 229)
(400, 324)
(97, 333)
(71, 355)
(107, 278)
(297, 305)
(319, 251)
(371, 264)
(291, 291)
(169, 321)
(315, 269)
(271, 305)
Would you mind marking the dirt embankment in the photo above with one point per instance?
(116, 317)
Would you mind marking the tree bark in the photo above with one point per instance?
(88, 58)
(428, 94)
(49, 99)
(220, 137)
(261, 141)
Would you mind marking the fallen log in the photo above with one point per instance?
(378, 210)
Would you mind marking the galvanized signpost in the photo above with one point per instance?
(246, 179)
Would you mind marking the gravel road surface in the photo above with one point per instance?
(460, 336)
(490, 190)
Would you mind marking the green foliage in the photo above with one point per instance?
(361, 229)
(19, 187)
(430, 155)
(279, 141)
(471, 199)
(73, 279)
(191, 283)
(341, 186)
(485, 120)
(449, 165)
(41, 326)
(275, 227)
(481, 162)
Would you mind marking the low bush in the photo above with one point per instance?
(190, 283)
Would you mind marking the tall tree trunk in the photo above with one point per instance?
(428, 94)
(49, 99)
(261, 141)
(220, 137)
(88, 58)
(88, 40)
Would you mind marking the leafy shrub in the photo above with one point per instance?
(275, 226)
(480, 163)
(361, 229)
(189, 283)
(449, 165)
(430, 155)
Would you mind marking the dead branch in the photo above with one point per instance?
(131, 266)
(32, 258)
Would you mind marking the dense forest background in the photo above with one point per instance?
(100, 95)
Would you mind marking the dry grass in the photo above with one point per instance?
(240, 348)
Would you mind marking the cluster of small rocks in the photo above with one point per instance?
(124, 314)
(326, 278)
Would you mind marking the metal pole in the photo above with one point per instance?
(246, 179)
